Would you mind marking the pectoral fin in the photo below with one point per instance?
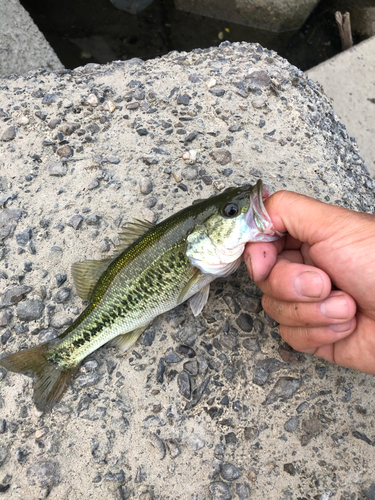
(198, 301)
(193, 280)
(127, 340)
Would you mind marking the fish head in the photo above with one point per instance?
(237, 217)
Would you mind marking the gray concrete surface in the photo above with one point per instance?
(77, 149)
(22, 46)
(270, 15)
(349, 79)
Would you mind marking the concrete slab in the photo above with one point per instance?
(349, 79)
(270, 15)
(22, 46)
(79, 151)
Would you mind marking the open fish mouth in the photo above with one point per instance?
(257, 217)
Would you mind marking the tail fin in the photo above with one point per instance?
(50, 379)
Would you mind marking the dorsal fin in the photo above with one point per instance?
(86, 275)
(131, 232)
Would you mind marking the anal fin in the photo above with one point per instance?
(127, 340)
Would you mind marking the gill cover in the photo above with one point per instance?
(216, 246)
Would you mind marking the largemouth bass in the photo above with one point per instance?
(157, 268)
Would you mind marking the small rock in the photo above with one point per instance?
(173, 448)
(183, 99)
(47, 335)
(24, 237)
(92, 100)
(284, 388)
(172, 357)
(290, 469)
(62, 295)
(250, 303)
(291, 424)
(251, 344)
(60, 279)
(88, 379)
(184, 384)
(75, 222)
(243, 491)
(14, 294)
(44, 473)
(59, 322)
(195, 442)
(158, 444)
(232, 304)
(52, 124)
(220, 491)
(142, 131)
(191, 367)
(259, 103)
(369, 491)
(6, 318)
(30, 310)
(145, 185)
(190, 173)
(9, 134)
(245, 322)
(65, 151)
(229, 472)
(58, 169)
(221, 156)
(3, 455)
(160, 371)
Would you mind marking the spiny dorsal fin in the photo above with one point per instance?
(86, 275)
(131, 233)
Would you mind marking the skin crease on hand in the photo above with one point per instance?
(319, 280)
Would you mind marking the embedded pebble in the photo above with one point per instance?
(75, 222)
(172, 357)
(251, 344)
(62, 295)
(13, 295)
(47, 335)
(291, 424)
(245, 322)
(284, 388)
(145, 185)
(158, 444)
(9, 134)
(243, 491)
(3, 455)
(58, 169)
(190, 173)
(220, 491)
(229, 472)
(184, 384)
(65, 151)
(195, 442)
(173, 448)
(44, 473)
(88, 379)
(30, 310)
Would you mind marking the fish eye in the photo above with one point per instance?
(230, 210)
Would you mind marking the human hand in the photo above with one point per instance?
(319, 281)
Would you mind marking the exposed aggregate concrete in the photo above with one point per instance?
(213, 407)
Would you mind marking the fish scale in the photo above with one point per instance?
(162, 266)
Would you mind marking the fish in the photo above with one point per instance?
(156, 267)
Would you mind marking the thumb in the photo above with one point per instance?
(306, 219)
